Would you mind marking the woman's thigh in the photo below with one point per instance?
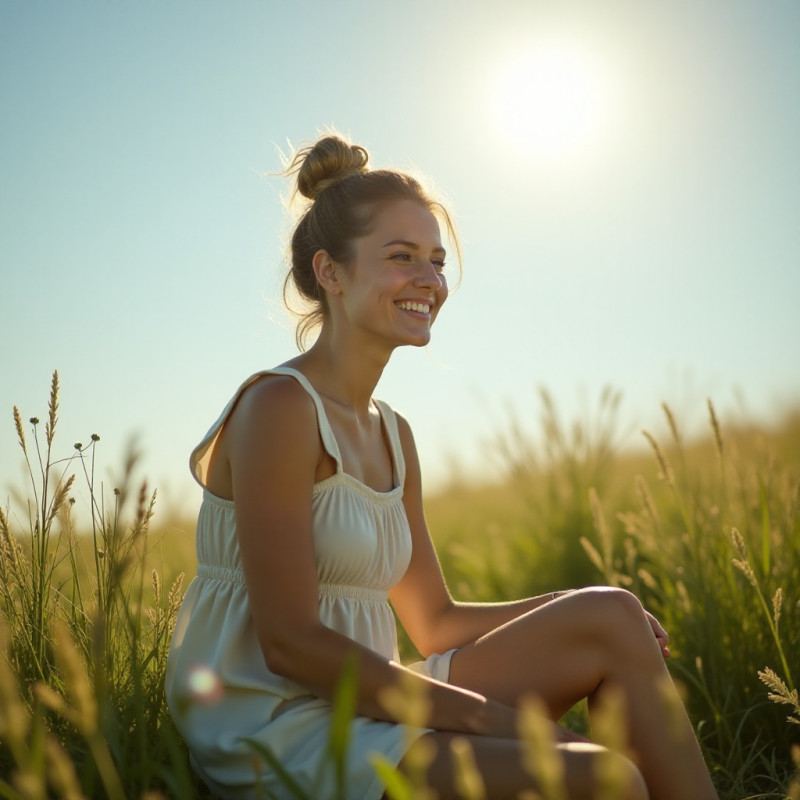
(561, 651)
(500, 763)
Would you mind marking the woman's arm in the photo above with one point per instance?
(273, 449)
(434, 621)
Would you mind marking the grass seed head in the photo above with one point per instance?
(673, 425)
(29, 784)
(781, 693)
(20, 430)
(60, 497)
(646, 498)
(409, 703)
(85, 703)
(61, 771)
(667, 474)
(469, 783)
(777, 605)
(14, 718)
(540, 757)
(715, 427)
(156, 587)
(52, 408)
(738, 543)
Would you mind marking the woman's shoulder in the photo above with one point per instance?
(272, 396)
(403, 427)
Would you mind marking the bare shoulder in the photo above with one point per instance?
(406, 436)
(404, 429)
(413, 477)
(275, 407)
(273, 399)
(274, 410)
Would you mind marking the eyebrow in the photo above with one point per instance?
(411, 245)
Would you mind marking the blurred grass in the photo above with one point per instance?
(706, 532)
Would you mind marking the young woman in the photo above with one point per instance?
(312, 522)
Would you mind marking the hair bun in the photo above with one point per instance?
(326, 162)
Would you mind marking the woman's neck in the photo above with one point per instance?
(346, 375)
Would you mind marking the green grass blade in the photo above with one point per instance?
(397, 786)
(765, 527)
(275, 765)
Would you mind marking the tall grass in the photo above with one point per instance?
(706, 533)
(84, 635)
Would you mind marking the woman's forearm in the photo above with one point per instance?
(317, 661)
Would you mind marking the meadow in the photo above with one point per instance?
(706, 532)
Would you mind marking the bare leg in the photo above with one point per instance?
(499, 762)
(578, 646)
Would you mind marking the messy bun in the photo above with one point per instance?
(343, 197)
(330, 160)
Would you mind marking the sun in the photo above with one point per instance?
(550, 99)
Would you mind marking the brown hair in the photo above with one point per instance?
(344, 198)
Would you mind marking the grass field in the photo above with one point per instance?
(706, 533)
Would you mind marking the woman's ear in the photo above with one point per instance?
(325, 269)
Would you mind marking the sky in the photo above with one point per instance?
(624, 176)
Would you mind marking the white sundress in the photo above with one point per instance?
(218, 687)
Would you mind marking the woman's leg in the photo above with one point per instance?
(580, 646)
(500, 763)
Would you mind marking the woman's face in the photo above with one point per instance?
(395, 284)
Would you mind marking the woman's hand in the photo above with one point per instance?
(662, 637)
(563, 735)
(504, 722)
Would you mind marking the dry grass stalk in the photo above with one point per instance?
(156, 587)
(59, 498)
(29, 784)
(50, 427)
(777, 605)
(85, 716)
(781, 693)
(715, 427)
(609, 728)
(10, 551)
(606, 537)
(673, 425)
(14, 717)
(20, 430)
(469, 783)
(646, 498)
(540, 757)
(666, 470)
(61, 771)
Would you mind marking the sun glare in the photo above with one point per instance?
(550, 100)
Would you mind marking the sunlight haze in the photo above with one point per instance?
(625, 178)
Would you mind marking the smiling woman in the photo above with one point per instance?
(312, 523)
(550, 99)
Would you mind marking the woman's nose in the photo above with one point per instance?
(429, 276)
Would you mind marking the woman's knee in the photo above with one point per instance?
(613, 607)
(615, 618)
(623, 779)
(592, 771)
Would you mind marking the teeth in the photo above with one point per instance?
(422, 308)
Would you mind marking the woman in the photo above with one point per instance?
(312, 521)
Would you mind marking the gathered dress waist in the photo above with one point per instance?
(236, 576)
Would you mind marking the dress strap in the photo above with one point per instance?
(390, 424)
(201, 455)
(325, 430)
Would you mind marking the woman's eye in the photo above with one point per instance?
(439, 264)
(402, 257)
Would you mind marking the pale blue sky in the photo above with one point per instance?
(141, 243)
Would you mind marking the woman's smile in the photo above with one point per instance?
(419, 308)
